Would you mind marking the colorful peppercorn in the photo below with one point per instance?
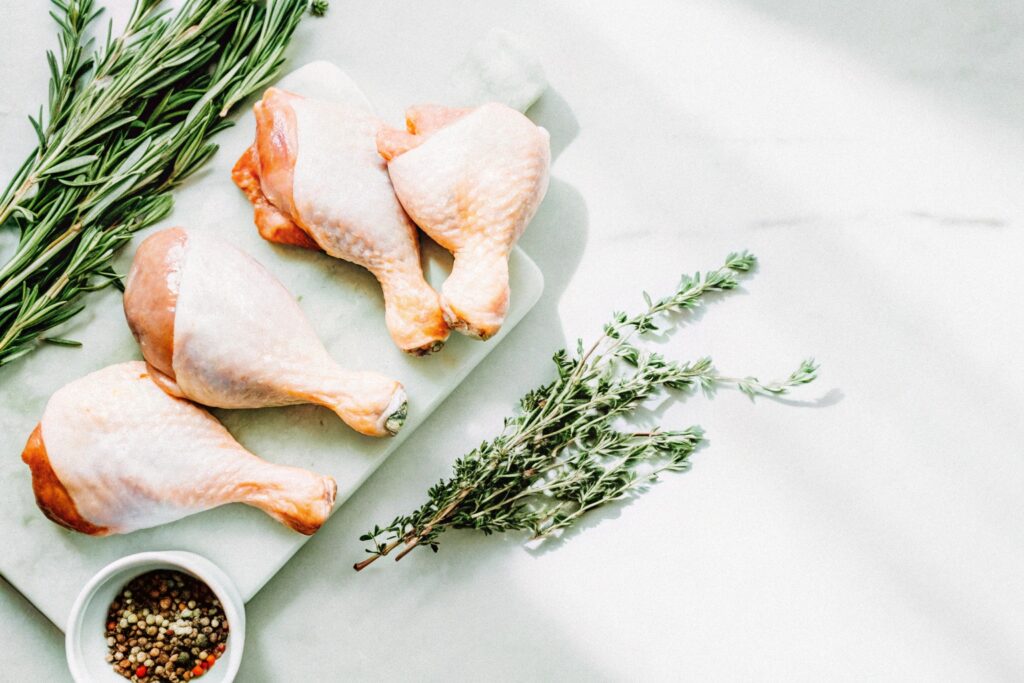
(162, 628)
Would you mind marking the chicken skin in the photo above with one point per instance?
(315, 180)
(472, 179)
(113, 454)
(217, 328)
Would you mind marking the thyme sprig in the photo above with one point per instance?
(567, 451)
(128, 120)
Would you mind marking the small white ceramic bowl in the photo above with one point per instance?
(85, 638)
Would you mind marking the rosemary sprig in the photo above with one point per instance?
(128, 120)
(565, 452)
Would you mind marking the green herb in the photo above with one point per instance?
(565, 453)
(127, 121)
(60, 341)
(318, 8)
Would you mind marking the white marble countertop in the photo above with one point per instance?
(873, 157)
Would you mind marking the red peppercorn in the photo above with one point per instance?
(210, 660)
(141, 672)
(198, 671)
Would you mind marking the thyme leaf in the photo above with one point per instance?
(566, 451)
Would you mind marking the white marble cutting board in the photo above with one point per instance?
(50, 565)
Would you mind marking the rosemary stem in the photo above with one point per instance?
(55, 247)
(7, 208)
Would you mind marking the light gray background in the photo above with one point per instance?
(872, 155)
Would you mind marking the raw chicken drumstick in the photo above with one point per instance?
(217, 328)
(113, 453)
(315, 180)
(472, 179)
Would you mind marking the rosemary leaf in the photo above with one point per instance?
(125, 124)
(60, 341)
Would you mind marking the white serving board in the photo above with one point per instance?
(49, 564)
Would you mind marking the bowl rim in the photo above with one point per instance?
(197, 565)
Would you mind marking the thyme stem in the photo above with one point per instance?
(561, 456)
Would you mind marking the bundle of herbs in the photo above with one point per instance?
(565, 453)
(126, 122)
